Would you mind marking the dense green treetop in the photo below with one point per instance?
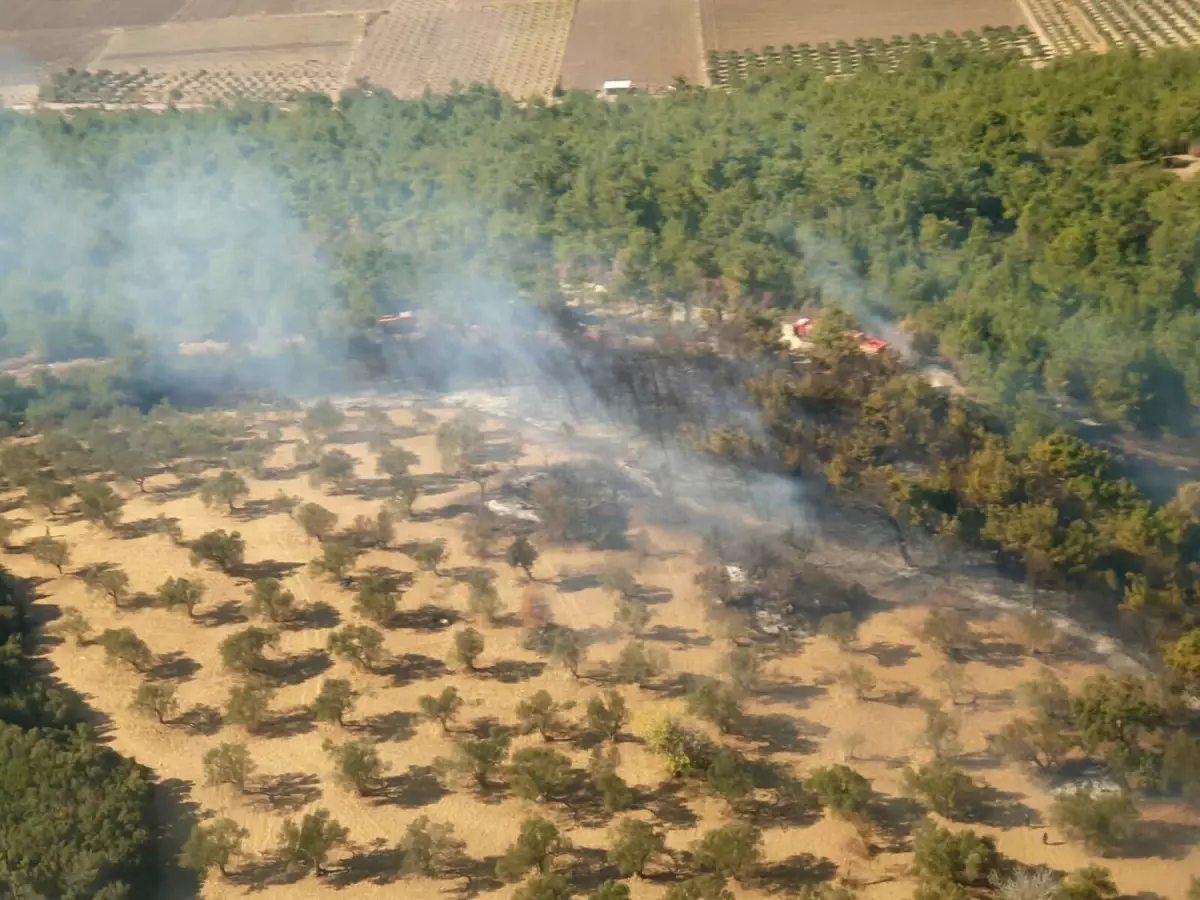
(1022, 216)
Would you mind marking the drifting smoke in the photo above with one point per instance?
(201, 245)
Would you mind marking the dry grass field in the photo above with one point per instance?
(799, 717)
(195, 10)
(742, 24)
(432, 44)
(649, 42)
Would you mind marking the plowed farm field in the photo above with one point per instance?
(434, 44)
(649, 42)
(743, 24)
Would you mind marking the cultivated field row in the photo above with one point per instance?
(844, 58)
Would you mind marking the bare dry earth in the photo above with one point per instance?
(800, 717)
(421, 45)
(752, 24)
(649, 42)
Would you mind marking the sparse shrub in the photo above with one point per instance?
(51, 551)
(729, 852)
(123, 645)
(317, 521)
(941, 787)
(859, 680)
(681, 749)
(607, 714)
(337, 558)
(334, 701)
(840, 790)
(334, 467)
(185, 593)
(634, 844)
(715, 702)
(430, 848)
(947, 630)
(536, 848)
(359, 644)
(228, 763)
(840, 627)
(99, 503)
(958, 857)
(535, 613)
(728, 776)
(269, 599)
(639, 664)
(521, 554)
(249, 704)
(1102, 821)
(108, 581)
(307, 844)
(443, 708)
(479, 758)
(155, 699)
(225, 489)
(429, 555)
(242, 651)
(483, 600)
(541, 713)
(323, 418)
(357, 765)
(631, 615)
(468, 647)
(539, 774)
(744, 669)
(213, 845)
(73, 624)
(376, 599)
(225, 550)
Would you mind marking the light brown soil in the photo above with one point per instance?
(221, 43)
(193, 10)
(649, 42)
(809, 716)
(29, 15)
(753, 24)
(29, 57)
(434, 44)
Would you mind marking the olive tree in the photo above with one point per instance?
(228, 763)
(224, 489)
(226, 550)
(123, 645)
(333, 701)
(634, 844)
(272, 601)
(443, 708)
(213, 845)
(361, 645)
(155, 699)
(176, 593)
(357, 765)
(307, 844)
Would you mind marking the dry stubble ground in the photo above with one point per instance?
(798, 690)
(753, 24)
(650, 42)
